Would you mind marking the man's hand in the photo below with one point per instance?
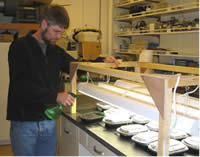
(65, 99)
(111, 59)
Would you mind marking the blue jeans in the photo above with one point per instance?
(33, 138)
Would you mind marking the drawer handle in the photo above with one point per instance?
(67, 131)
(98, 151)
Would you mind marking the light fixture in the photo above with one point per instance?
(140, 103)
(117, 99)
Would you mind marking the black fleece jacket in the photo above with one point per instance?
(34, 78)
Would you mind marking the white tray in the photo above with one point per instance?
(178, 134)
(174, 148)
(140, 119)
(153, 126)
(120, 122)
(192, 142)
(132, 129)
(103, 106)
(145, 138)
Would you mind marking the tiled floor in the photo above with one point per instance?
(5, 150)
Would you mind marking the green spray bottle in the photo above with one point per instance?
(53, 112)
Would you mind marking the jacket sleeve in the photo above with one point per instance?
(66, 60)
(23, 87)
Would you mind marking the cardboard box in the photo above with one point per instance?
(88, 36)
(90, 50)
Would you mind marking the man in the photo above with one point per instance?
(34, 66)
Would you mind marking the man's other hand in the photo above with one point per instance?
(111, 59)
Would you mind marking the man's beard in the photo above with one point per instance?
(46, 41)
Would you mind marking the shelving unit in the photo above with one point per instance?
(30, 2)
(18, 26)
(157, 55)
(126, 52)
(129, 3)
(124, 25)
(190, 7)
(171, 55)
(154, 54)
(158, 32)
(24, 25)
(22, 28)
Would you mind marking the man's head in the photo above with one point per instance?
(53, 23)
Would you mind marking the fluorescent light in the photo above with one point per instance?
(117, 99)
(127, 84)
(129, 93)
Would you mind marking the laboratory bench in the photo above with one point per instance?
(94, 138)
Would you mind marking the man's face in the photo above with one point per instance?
(52, 33)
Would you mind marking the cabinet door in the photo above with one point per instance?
(97, 148)
(68, 139)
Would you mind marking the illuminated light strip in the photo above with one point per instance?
(117, 99)
(124, 92)
(140, 88)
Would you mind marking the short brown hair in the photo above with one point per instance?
(56, 15)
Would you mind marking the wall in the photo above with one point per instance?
(88, 14)
(4, 81)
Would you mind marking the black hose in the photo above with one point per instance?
(85, 30)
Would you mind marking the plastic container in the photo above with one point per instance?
(53, 112)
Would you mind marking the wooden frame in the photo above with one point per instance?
(159, 86)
